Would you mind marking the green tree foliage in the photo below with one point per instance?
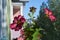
(54, 5)
(51, 29)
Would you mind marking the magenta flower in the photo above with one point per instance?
(17, 23)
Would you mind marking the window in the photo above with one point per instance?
(16, 10)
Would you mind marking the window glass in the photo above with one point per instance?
(16, 10)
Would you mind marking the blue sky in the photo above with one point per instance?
(35, 3)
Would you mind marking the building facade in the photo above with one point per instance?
(3, 25)
(8, 10)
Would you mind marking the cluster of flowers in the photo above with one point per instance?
(17, 25)
(50, 14)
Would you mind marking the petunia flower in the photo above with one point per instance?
(17, 23)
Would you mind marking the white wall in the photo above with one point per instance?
(15, 34)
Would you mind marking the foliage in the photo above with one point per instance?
(51, 29)
(32, 31)
(55, 7)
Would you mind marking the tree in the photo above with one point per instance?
(54, 5)
(51, 29)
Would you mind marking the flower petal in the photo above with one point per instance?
(22, 32)
(15, 19)
(12, 26)
(19, 26)
(46, 11)
(52, 18)
(16, 29)
(23, 20)
(19, 17)
(50, 12)
(20, 38)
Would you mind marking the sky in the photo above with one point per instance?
(34, 3)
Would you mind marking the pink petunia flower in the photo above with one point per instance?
(17, 23)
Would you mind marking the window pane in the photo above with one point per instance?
(16, 10)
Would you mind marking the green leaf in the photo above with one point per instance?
(35, 35)
(33, 23)
(29, 14)
(25, 24)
